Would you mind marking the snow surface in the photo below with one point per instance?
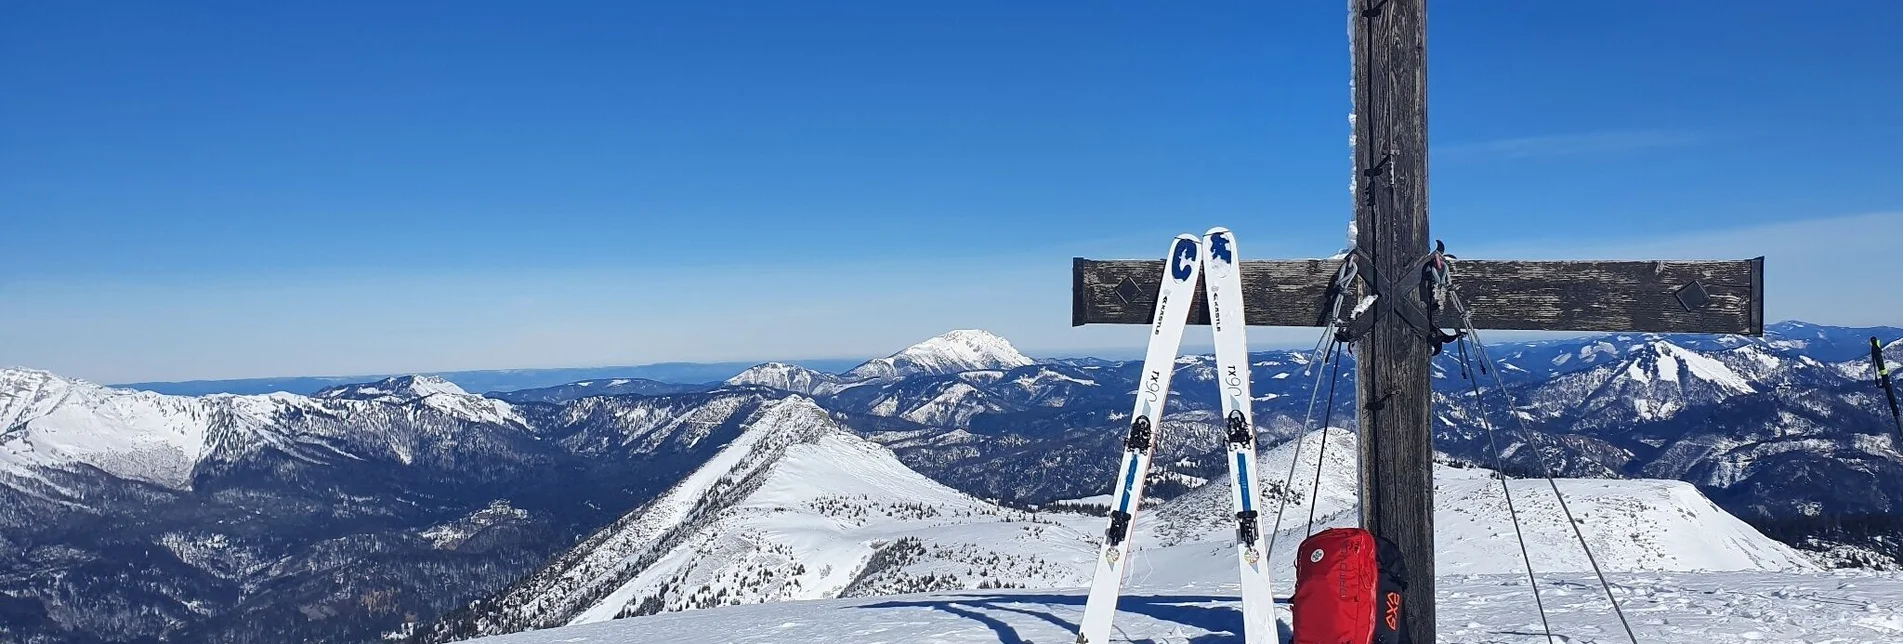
(1838, 607)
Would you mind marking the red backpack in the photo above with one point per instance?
(1348, 585)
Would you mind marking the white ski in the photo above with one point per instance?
(1159, 363)
(1222, 281)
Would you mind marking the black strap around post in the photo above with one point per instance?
(1422, 317)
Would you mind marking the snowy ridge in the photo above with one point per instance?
(970, 353)
(1633, 525)
(795, 508)
(1657, 379)
(607, 559)
(434, 392)
(400, 389)
(787, 377)
(50, 422)
(962, 350)
(53, 422)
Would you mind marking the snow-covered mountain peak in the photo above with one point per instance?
(1662, 361)
(953, 352)
(433, 392)
(786, 377)
(10, 376)
(50, 421)
(400, 389)
(794, 419)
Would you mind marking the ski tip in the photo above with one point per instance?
(1190, 237)
(1219, 230)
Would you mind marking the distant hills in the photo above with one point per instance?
(492, 380)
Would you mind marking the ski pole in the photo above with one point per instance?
(1883, 380)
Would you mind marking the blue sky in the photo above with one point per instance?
(215, 190)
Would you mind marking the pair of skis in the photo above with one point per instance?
(1214, 259)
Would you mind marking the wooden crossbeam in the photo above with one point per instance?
(1626, 296)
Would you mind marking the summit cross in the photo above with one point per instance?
(1389, 41)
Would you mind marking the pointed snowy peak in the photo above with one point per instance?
(954, 352)
(1662, 361)
(400, 389)
(785, 377)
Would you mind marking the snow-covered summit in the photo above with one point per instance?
(50, 421)
(432, 392)
(400, 389)
(954, 352)
(786, 377)
(1663, 361)
(1632, 524)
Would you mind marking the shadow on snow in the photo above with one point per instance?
(1225, 622)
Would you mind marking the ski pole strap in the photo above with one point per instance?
(1338, 291)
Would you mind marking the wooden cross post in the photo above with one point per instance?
(1397, 493)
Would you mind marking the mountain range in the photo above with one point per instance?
(410, 507)
(485, 380)
(813, 512)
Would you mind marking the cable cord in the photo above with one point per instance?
(1546, 468)
(1480, 410)
(1323, 347)
(1321, 452)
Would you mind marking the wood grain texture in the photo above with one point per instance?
(1585, 295)
(1389, 40)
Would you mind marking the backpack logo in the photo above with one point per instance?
(1393, 617)
(1316, 556)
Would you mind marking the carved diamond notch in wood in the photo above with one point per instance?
(1693, 296)
(1127, 290)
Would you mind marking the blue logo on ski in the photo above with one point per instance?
(1219, 248)
(1184, 259)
